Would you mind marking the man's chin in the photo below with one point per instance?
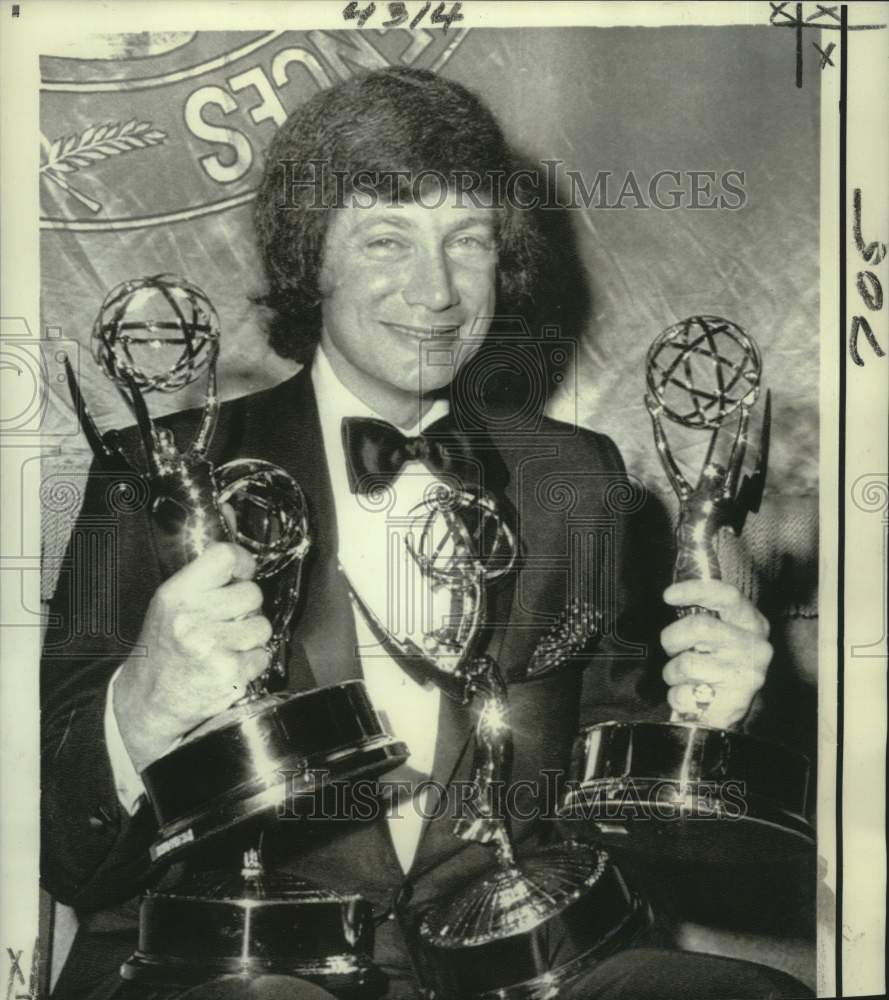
(434, 378)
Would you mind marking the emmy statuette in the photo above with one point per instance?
(683, 789)
(158, 334)
(532, 925)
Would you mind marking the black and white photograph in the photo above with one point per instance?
(445, 514)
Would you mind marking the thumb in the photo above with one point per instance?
(231, 519)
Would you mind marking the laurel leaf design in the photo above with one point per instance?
(99, 142)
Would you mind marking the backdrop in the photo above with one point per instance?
(153, 146)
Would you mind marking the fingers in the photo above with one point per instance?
(720, 669)
(244, 635)
(733, 676)
(210, 691)
(206, 638)
(723, 598)
(236, 600)
(219, 564)
(203, 642)
(730, 653)
(705, 634)
(228, 512)
(250, 666)
(728, 707)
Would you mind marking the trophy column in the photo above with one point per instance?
(159, 334)
(531, 926)
(686, 790)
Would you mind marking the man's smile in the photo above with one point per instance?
(424, 332)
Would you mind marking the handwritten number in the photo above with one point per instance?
(439, 16)
(860, 323)
(419, 17)
(873, 253)
(397, 15)
(868, 285)
(351, 12)
(873, 296)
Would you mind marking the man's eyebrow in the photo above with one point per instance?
(405, 223)
(391, 218)
(470, 222)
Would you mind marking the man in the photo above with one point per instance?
(388, 247)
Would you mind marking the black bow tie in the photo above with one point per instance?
(377, 451)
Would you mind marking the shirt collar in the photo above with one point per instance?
(335, 401)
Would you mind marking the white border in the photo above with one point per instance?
(45, 22)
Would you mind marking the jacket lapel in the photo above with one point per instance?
(284, 428)
(455, 741)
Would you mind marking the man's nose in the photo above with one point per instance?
(431, 284)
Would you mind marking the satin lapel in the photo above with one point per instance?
(499, 599)
(490, 472)
(286, 430)
(456, 722)
(456, 725)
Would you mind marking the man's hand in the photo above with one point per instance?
(730, 652)
(205, 642)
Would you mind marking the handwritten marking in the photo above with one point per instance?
(823, 18)
(351, 12)
(15, 970)
(874, 252)
(398, 14)
(829, 11)
(825, 54)
(870, 290)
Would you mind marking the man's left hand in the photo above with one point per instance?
(728, 651)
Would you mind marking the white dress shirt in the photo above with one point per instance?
(380, 570)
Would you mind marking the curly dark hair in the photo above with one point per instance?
(393, 123)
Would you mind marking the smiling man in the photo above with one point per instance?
(385, 291)
(402, 284)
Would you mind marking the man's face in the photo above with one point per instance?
(408, 290)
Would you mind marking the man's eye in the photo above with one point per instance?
(385, 246)
(472, 244)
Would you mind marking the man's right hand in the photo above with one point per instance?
(204, 640)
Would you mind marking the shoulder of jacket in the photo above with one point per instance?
(572, 442)
(183, 423)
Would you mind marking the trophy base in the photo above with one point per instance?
(266, 754)
(688, 792)
(528, 931)
(217, 924)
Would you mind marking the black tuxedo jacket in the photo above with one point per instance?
(573, 508)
